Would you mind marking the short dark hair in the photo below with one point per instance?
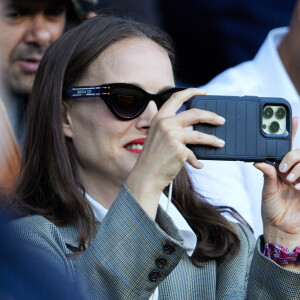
(75, 13)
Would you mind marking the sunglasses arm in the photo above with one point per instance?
(86, 91)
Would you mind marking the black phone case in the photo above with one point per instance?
(242, 131)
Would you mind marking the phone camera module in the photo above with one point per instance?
(274, 120)
(268, 112)
(274, 127)
(280, 113)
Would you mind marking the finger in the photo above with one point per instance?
(268, 170)
(290, 159)
(192, 160)
(294, 174)
(171, 106)
(270, 177)
(184, 137)
(194, 116)
(294, 129)
(200, 138)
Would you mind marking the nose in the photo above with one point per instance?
(144, 120)
(37, 30)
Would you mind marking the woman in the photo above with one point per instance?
(82, 156)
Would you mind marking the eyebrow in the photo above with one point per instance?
(31, 7)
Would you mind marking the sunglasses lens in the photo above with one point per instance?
(164, 96)
(127, 102)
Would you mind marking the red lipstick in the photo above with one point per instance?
(139, 144)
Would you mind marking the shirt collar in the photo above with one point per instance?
(189, 237)
(98, 209)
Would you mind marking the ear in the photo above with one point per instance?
(66, 120)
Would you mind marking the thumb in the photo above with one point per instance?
(270, 178)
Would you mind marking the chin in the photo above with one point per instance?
(22, 84)
(128, 168)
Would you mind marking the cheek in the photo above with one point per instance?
(88, 127)
(57, 29)
(95, 130)
(98, 136)
(92, 142)
(11, 40)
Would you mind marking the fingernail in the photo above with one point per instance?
(189, 127)
(200, 165)
(297, 186)
(221, 119)
(290, 177)
(221, 142)
(203, 91)
(283, 167)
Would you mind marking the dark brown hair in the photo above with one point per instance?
(48, 183)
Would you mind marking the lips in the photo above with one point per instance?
(135, 146)
(29, 64)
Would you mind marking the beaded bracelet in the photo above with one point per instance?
(282, 255)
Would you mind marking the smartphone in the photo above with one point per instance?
(257, 129)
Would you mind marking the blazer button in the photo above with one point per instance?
(154, 276)
(161, 262)
(168, 248)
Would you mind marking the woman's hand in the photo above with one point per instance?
(165, 151)
(281, 199)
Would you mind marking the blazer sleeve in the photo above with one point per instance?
(122, 261)
(268, 280)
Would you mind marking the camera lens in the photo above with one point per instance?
(280, 113)
(268, 112)
(274, 127)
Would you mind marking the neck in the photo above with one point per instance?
(16, 105)
(101, 189)
(289, 55)
(10, 91)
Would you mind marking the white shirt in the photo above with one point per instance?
(188, 235)
(239, 184)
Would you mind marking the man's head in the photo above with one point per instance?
(28, 28)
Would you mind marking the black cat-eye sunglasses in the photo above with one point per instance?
(125, 101)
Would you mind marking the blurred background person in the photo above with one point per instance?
(28, 28)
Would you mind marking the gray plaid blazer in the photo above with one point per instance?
(131, 255)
